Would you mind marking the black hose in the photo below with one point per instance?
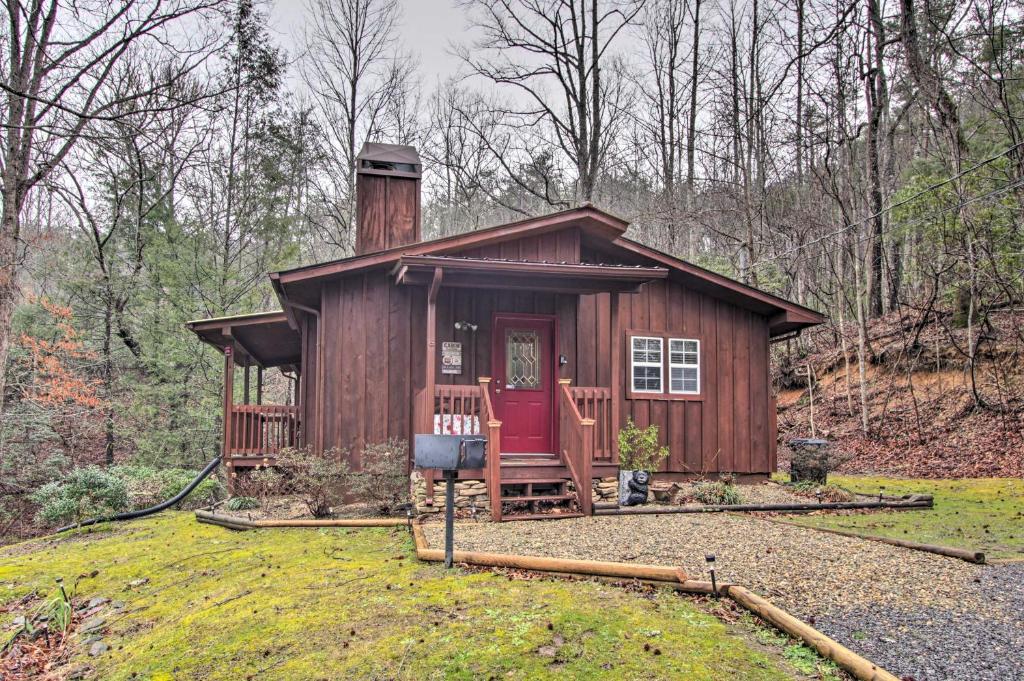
(141, 513)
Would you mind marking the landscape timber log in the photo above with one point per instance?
(418, 537)
(569, 566)
(723, 508)
(245, 524)
(844, 657)
(341, 522)
(977, 557)
(224, 520)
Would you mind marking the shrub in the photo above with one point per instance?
(639, 449)
(81, 494)
(265, 483)
(242, 504)
(148, 486)
(383, 480)
(829, 493)
(716, 493)
(314, 480)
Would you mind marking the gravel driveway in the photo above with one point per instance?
(919, 615)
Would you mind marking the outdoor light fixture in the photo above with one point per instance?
(881, 490)
(465, 326)
(817, 493)
(710, 558)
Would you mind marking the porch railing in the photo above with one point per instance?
(577, 434)
(457, 410)
(596, 403)
(262, 429)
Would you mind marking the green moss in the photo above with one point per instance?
(985, 514)
(354, 604)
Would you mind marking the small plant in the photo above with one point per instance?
(148, 486)
(317, 481)
(826, 493)
(242, 504)
(82, 493)
(716, 493)
(639, 449)
(383, 480)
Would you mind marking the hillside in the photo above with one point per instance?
(929, 415)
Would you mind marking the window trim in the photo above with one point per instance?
(682, 365)
(665, 394)
(661, 365)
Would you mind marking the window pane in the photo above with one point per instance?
(522, 363)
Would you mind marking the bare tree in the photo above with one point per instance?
(553, 55)
(60, 57)
(363, 89)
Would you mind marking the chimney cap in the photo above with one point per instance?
(389, 159)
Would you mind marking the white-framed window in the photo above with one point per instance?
(646, 364)
(684, 366)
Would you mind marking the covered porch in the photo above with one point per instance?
(254, 430)
(515, 384)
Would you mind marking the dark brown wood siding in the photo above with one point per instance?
(374, 357)
(727, 427)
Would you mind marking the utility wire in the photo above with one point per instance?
(902, 202)
(930, 216)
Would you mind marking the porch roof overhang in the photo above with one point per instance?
(263, 338)
(525, 275)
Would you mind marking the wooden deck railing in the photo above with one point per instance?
(596, 403)
(577, 435)
(457, 410)
(493, 448)
(261, 429)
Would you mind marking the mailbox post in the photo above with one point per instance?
(450, 453)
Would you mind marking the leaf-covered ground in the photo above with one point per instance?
(985, 514)
(923, 407)
(190, 601)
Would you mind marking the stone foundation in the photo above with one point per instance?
(606, 490)
(468, 494)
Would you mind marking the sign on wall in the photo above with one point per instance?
(451, 357)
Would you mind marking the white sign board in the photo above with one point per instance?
(451, 357)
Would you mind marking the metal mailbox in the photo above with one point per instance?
(450, 452)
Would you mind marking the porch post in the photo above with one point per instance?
(259, 384)
(586, 494)
(427, 405)
(245, 382)
(617, 382)
(493, 451)
(229, 376)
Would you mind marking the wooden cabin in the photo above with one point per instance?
(544, 335)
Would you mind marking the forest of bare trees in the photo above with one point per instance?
(862, 157)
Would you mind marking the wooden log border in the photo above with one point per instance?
(921, 503)
(234, 523)
(977, 557)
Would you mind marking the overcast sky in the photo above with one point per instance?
(427, 28)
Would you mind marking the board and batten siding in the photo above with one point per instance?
(726, 428)
(374, 358)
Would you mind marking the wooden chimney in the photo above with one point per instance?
(387, 197)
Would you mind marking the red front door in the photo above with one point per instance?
(523, 363)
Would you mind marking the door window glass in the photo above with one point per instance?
(522, 358)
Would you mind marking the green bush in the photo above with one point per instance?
(317, 481)
(148, 486)
(242, 504)
(383, 480)
(639, 449)
(82, 493)
(716, 493)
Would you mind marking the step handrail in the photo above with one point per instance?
(493, 470)
(578, 452)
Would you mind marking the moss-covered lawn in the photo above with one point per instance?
(331, 604)
(985, 514)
